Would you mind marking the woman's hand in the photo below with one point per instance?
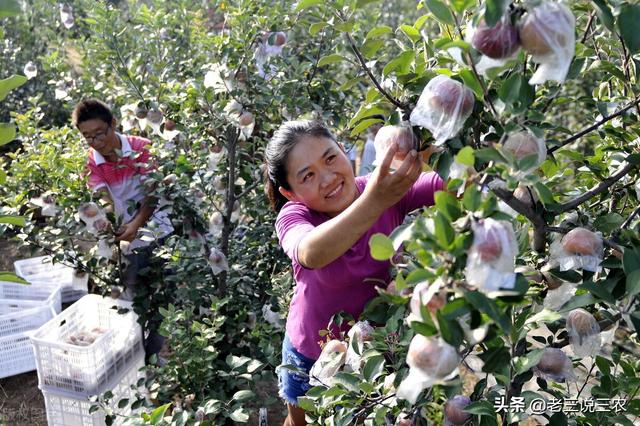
(386, 188)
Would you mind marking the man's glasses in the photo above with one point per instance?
(97, 137)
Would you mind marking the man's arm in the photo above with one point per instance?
(130, 230)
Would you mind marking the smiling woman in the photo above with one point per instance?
(326, 218)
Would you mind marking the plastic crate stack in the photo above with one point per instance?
(23, 308)
(73, 283)
(93, 347)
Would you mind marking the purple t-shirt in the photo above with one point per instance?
(349, 282)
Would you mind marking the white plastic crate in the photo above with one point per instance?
(16, 355)
(42, 293)
(66, 410)
(86, 370)
(18, 316)
(35, 265)
(74, 284)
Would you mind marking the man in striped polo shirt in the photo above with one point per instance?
(117, 166)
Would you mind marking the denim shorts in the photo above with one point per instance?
(292, 384)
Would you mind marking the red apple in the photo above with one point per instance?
(498, 42)
(581, 241)
(451, 96)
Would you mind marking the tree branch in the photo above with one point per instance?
(630, 218)
(593, 127)
(363, 64)
(601, 187)
(469, 59)
(535, 216)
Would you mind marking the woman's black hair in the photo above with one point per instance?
(88, 109)
(277, 152)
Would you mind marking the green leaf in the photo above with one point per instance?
(628, 24)
(608, 223)
(599, 290)
(367, 111)
(9, 8)
(13, 220)
(489, 307)
(424, 328)
(631, 260)
(631, 267)
(316, 27)
(401, 234)
(364, 125)
(460, 6)
(371, 47)
(239, 415)
(123, 403)
(633, 283)
(444, 232)
(489, 154)
(411, 32)
(7, 133)
(450, 330)
(349, 381)
(158, 414)
(524, 363)
(379, 31)
(472, 198)
(305, 4)
(440, 11)
(481, 408)
(381, 247)
(373, 367)
(465, 156)
(330, 59)
(8, 84)
(345, 27)
(242, 395)
(545, 195)
(11, 277)
(447, 205)
(579, 301)
(604, 14)
(401, 64)
(471, 82)
(493, 12)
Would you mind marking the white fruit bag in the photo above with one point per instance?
(579, 248)
(331, 359)
(547, 33)
(521, 145)
(443, 107)
(431, 361)
(402, 135)
(360, 332)
(491, 258)
(584, 333)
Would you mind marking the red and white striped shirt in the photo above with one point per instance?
(124, 180)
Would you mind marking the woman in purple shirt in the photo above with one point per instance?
(325, 219)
